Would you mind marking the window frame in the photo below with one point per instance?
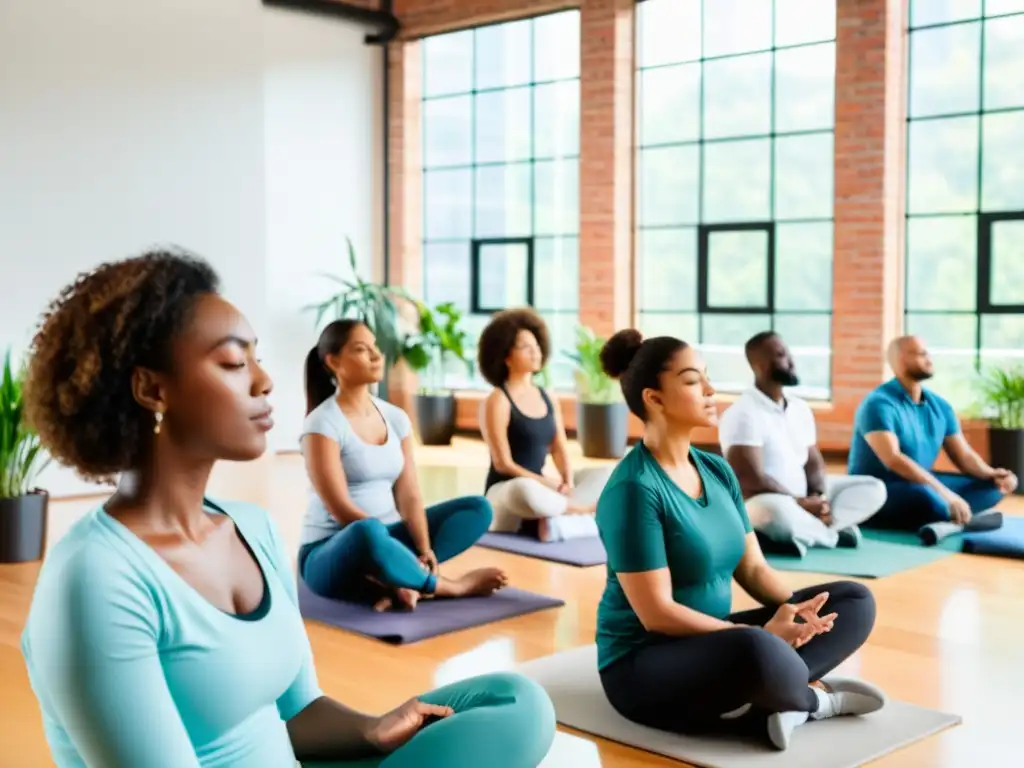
(476, 246)
(704, 233)
(984, 302)
(542, 79)
(703, 311)
(983, 220)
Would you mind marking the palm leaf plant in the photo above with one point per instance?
(21, 455)
(439, 339)
(24, 509)
(1002, 404)
(1002, 397)
(593, 385)
(602, 419)
(374, 304)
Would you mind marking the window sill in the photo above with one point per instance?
(834, 426)
(478, 395)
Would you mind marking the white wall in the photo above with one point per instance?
(324, 141)
(248, 135)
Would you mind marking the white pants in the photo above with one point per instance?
(523, 498)
(852, 498)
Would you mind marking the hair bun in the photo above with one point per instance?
(619, 351)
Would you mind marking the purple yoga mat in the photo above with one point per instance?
(430, 619)
(579, 552)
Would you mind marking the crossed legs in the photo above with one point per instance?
(909, 506)
(367, 556)
(559, 516)
(853, 500)
(686, 684)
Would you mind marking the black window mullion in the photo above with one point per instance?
(702, 283)
(978, 193)
(771, 181)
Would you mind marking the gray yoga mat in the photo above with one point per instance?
(578, 552)
(572, 682)
(430, 619)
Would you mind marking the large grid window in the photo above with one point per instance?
(965, 187)
(501, 130)
(735, 178)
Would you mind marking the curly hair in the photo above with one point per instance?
(498, 338)
(78, 390)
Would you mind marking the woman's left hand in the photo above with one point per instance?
(388, 732)
(429, 559)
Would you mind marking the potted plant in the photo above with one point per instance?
(376, 305)
(23, 507)
(439, 339)
(602, 418)
(1002, 401)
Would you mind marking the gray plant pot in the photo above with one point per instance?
(435, 417)
(23, 523)
(602, 429)
(1006, 450)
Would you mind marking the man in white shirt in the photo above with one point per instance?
(770, 440)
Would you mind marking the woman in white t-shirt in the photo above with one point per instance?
(367, 535)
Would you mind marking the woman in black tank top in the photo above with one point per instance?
(522, 425)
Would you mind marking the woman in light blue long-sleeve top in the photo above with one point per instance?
(164, 630)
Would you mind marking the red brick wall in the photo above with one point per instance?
(869, 163)
(868, 202)
(606, 164)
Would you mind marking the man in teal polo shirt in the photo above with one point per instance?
(898, 432)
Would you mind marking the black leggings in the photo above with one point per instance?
(685, 684)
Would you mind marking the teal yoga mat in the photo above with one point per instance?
(881, 553)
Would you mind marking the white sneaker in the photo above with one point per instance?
(848, 696)
(781, 726)
(845, 696)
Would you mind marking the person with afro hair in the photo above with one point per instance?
(165, 628)
(671, 653)
(522, 426)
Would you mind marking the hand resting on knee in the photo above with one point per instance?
(785, 622)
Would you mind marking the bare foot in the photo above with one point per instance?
(480, 582)
(544, 529)
(403, 599)
(407, 598)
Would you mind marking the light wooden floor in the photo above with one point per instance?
(949, 635)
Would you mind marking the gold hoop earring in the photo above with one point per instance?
(159, 418)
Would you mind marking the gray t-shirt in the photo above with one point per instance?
(371, 470)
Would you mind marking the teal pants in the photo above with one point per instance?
(337, 567)
(501, 721)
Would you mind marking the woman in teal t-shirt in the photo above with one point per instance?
(164, 630)
(671, 653)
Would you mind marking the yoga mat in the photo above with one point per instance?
(1007, 541)
(430, 618)
(572, 682)
(578, 552)
(881, 553)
